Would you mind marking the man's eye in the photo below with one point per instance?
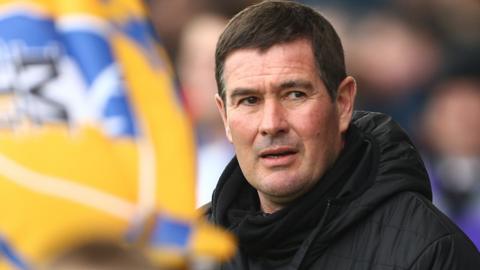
(296, 95)
(248, 101)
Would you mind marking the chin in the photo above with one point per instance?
(286, 188)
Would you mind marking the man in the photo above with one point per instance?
(313, 184)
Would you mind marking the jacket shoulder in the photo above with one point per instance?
(428, 237)
(404, 232)
(420, 215)
(448, 252)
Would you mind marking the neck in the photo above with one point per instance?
(268, 206)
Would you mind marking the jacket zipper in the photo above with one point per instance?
(299, 256)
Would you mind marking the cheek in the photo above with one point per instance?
(318, 130)
(242, 129)
(312, 124)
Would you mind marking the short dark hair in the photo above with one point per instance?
(275, 22)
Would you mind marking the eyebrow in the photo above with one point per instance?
(303, 84)
(289, 84)
(240, 92)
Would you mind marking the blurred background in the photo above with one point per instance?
(418, 61)
(114, 154)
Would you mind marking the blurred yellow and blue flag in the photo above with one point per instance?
(93, 137)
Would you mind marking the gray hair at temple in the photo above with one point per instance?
(269, 23)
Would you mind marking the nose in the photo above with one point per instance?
(273, 120)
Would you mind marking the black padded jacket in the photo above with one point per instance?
(372, 210)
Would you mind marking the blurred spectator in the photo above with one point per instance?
(170, 17)
(451, 130)
(394, 63)
(455, 23)
(189, 31)
(228, 8)
(196, 64)
(101, 254)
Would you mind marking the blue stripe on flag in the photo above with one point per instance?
(12, 257)
(91, 51)
(170, 233)
(138, 31)
(32, 31)
(141, 33)
(117, 109)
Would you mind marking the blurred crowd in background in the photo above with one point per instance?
(418, 61)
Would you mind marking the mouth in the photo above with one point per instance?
(278, 153)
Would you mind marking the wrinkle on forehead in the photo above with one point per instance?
(247, 65)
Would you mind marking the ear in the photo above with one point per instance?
(223, 112)
(345, 100)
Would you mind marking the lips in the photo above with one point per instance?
(278, 152)
(278, 157)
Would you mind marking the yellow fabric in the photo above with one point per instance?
(60, 182)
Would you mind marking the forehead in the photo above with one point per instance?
(292, 60)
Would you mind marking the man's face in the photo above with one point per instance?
(283, 124)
